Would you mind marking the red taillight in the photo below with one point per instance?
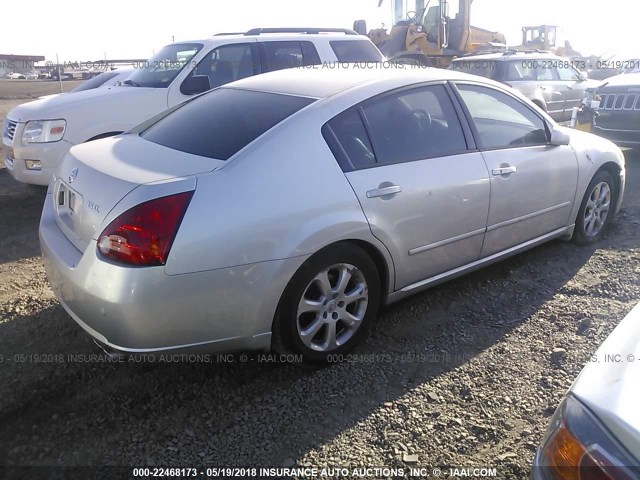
(142, 236)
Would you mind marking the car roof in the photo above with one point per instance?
(322, 81)
(222, 38)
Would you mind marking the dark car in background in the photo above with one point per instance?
(551, 82)
(618, 116)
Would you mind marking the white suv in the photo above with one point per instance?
(36, 135)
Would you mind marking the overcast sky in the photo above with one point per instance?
(79, 30)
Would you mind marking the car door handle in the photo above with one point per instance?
(504, 170)
(381, 192)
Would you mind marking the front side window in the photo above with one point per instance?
(227, 64)
(281, 55)
(414, 124)
(500, 120)
(222, 122)
(568, 74)
(161, 69)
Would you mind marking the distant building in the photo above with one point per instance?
(18, 63)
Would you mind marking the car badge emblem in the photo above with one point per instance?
(73, 175)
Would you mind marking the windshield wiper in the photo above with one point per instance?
(130, 82)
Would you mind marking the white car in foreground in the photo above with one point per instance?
(595, 432)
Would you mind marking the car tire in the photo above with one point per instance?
(327, 305)
(596, 209)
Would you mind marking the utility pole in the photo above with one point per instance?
(59, 74)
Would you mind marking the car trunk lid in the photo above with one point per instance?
(94, 177)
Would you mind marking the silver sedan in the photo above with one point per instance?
(283, 210)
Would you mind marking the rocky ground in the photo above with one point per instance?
(463, 375)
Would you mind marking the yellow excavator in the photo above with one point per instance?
(429, 32)
(545, 37)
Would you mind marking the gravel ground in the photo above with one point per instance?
(462, 375)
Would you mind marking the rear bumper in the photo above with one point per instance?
(144, 310)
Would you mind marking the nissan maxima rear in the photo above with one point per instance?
(283, 210)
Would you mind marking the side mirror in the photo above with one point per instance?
(360, 27)
(195, 84)
(582, 77)
(560, 137)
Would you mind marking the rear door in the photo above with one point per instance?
(533, 183)
(573, 87)
(424, 192)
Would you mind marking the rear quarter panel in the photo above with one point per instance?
(284, 196)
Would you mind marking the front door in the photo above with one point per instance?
(533, 183)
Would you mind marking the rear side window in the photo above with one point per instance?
(281, 55)
(223, 121)
(483, 68)
(414, 124)
(353, 51)
(352, 138)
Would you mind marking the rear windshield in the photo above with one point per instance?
(96, 81)
(222, 122)
(483, 68)
(353, 51)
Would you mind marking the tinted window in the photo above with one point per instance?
(220, 123)
(355, 51)
(352, 137)
(500, 120)
(483, 68)
(96, 81)
(414, 124)
(281, 55)
(227, 64)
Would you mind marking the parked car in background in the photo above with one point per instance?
(618, 116)
(549, 81)
(282, 210)
(106, 79)
(595, 432)
(111, 78)
(15, 76)
(174, 74)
